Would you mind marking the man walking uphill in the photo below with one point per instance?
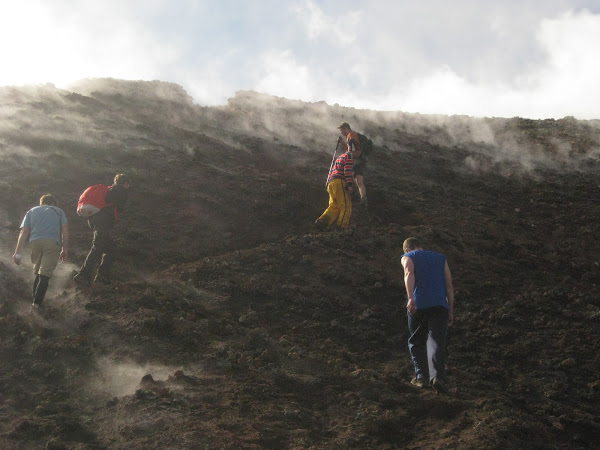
(48, 232)
(430, 310)
(339, 187)
(102, 253)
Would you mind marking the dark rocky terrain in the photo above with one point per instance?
(230, 323)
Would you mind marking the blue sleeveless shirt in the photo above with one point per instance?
(430, 278)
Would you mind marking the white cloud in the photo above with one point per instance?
(565, 84)
(207, 87)
(284, 76)
(506, 59)
(60, 45)
(342, 29)
(442, 92)
(573, 71)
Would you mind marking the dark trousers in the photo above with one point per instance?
(427, 342)
(40, 286)
(101, 254)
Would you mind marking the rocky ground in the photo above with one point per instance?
(232, 324)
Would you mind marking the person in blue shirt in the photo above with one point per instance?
(47, 230)
(430, 309)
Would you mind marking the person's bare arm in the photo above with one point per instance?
(64, 254)
(23, 235)
(450, 294)
(409, 282)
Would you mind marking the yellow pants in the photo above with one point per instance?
(340, 204)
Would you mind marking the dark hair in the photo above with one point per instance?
(121, 179)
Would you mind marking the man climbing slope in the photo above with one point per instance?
(430, 309)
(47, 230)
(102, 254)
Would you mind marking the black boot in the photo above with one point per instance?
(41, 289)
(36, 281)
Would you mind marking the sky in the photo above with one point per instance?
(536, 59)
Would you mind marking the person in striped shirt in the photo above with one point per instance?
(340, 185)
(352, 140)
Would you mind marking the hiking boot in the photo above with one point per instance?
(418, 382)
(35, 308)
(81, 281)
(439, 385)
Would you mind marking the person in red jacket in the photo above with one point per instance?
(101, 256)
(340, 185)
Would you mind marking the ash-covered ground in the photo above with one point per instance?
(231, 323)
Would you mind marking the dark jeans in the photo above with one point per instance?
(427, 342)
(40, 286)
(101, 254)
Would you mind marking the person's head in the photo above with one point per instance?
(122, 180)
(48, 199)
(344, 128)
(410, 244)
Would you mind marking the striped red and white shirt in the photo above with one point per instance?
(343, 168)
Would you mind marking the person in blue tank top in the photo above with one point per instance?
(430, 309)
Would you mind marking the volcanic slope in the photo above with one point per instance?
(232, 324)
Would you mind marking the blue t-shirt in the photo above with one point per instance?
(430, 278)
(45, 222)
